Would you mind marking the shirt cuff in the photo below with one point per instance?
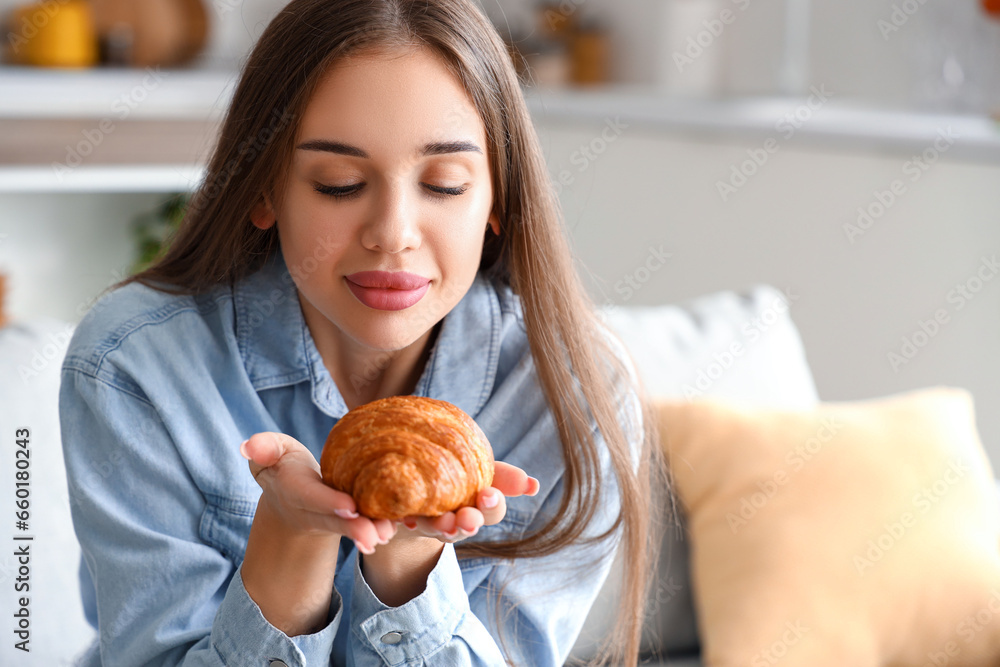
(242, 635)
(421, 626)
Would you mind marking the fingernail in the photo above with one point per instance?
(243, 449)
(491, 500)
(346, 514)
(470, 533)
(451, 534)
(362, 549)
(412, 525)
(538, 485)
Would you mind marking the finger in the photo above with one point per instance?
(364, 534)
(512, 481)
(385, 530)
(533, 486)
(265, 449)
(444, 524)
(493, 506)
(469, 520)
(315, 496)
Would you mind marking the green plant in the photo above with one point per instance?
(154, 230)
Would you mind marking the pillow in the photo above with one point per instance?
(734, 344)
(31, 355)
(862, 534)
(738, 344)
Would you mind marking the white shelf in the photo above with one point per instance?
(204, 94)
(27, 180)
(116, 93)
(838, 124)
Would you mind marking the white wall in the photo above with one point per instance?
(856, 301)
(60, 251)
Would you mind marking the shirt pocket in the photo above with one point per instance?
(225, 525)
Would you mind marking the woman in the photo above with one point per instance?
(376, 220)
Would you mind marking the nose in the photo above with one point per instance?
(393, 223)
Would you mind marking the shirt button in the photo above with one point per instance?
(392, 638)
(277, 663)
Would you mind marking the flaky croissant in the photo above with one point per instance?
(407, 456)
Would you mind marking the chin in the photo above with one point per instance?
(385, 334)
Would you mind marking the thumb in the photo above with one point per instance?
(265, 449)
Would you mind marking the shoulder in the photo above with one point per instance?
(140, 317)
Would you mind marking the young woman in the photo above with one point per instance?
(376, 220)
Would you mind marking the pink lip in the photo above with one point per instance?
(383, 290)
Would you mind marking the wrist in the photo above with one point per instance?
(289, 573)
(397, 572)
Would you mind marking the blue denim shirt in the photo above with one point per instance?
(158, 391)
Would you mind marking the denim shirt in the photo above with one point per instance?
(159, 390)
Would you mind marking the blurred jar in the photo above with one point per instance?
(693, 45)
(992, 10)
(3, 296)
(547, 52)
(590, 53)
(955, 50)
(150, 33)
(548, 64)
(52, 34)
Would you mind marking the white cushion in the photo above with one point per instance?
(30, 360)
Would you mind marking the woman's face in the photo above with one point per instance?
(387, 199)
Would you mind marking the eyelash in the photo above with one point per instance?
(352, 191)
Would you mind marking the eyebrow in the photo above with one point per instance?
(433, 148)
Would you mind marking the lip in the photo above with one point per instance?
(385, 290)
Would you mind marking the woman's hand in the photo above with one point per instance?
(397, 572)
(291, 556)
(294, 492)
(491, 507)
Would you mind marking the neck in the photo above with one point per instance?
(363, 374)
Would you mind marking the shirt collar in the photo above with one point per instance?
(278, 350)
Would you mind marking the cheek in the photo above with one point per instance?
(459, 246)
(309, 244)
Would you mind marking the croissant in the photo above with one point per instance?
(407, 456)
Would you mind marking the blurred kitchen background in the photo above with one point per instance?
(846, 151)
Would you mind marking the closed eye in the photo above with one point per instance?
(345, 192)
(351, 191)
(452, 192)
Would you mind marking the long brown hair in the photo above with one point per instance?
(576, 367)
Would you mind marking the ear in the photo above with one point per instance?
(494, 223)
(262, 215)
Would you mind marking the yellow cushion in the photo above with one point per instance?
(852, 534)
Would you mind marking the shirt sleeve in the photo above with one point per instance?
(436, 627)
(162, 595)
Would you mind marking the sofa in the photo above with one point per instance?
(737, 345)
